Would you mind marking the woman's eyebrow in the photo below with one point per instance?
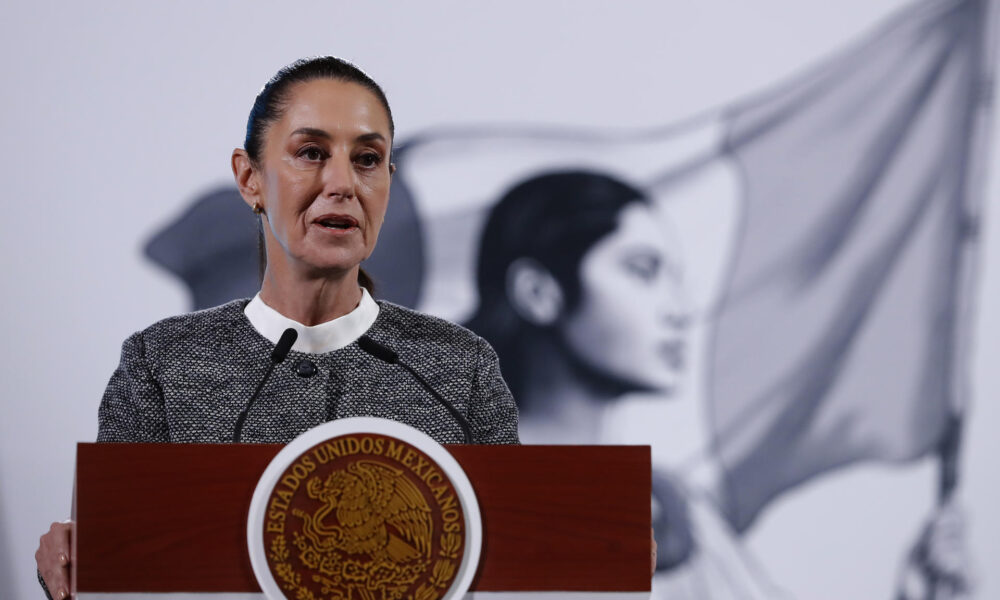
(314, 132)
(371, 137)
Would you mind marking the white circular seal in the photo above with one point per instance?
(296, 456)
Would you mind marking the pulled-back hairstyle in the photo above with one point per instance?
(553, 218)
(270, 104)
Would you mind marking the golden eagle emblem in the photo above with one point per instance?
(364, 517)
(365, 498)
(372, 532)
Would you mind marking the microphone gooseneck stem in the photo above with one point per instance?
(462, 421)
(388, 355)
(238, 430)
(278, 355)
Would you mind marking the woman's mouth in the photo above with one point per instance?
(337, 223)
(672, 353)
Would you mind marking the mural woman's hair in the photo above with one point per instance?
(553, 218)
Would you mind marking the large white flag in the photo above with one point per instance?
(841, 298)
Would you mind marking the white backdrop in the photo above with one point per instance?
(116, 114)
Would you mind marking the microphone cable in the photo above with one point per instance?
(388, 355)
(278, 355)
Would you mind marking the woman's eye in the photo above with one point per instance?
(312, 153)
(369, 159)
(646, 267)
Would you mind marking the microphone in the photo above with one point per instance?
(280, 352)
(388, 355)
(379, 351)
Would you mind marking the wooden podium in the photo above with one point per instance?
(171, 518)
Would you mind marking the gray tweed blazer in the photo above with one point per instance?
(187, 378)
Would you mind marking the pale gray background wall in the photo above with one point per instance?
(115, 114)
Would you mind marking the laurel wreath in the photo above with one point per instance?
(451, 543)
(442, 572)
(292, 580)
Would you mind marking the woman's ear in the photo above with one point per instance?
(533, 292)
(247, 179)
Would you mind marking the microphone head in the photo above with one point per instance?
(379, 351)
(284, 345)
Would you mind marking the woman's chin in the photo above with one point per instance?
(329, 267)
(332, 260)
(668, 391)
(655, 386)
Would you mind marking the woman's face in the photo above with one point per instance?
(631, 321)
(324, 176)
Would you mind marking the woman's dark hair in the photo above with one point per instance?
(270, 104)
(554, 219)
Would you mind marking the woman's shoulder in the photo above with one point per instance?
(407, 326)
(214, 326)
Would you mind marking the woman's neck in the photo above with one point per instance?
(555, 395)
(310, 300)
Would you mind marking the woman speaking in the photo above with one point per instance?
(316, 167)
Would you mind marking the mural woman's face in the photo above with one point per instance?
(631, 320)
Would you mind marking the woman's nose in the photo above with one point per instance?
(677, 320)
(338, 176)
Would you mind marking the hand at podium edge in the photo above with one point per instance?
(652, 553)
(53, 559)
